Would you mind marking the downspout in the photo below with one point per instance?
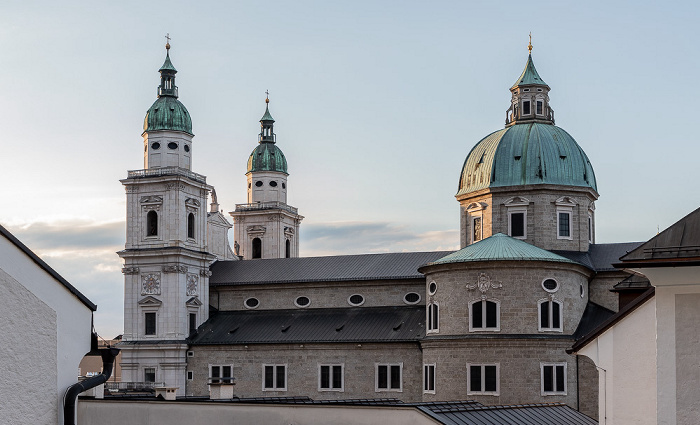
(71, 396)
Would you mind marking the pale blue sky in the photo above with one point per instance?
(377, 105)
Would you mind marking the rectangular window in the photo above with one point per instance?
(550, 316)
(539, 107)
(221, 374)
(149, 374)
(483, 379)
(484, 316)
(150, 323)
(590, 229)
(516, 224)
(193, 322)
(564, 225)
(388, 377)
(275, 377)
(553, 378)
(330, 377)
(477, 231)
(429, 378)
(433, 317)
(190, 375)
(526, 107)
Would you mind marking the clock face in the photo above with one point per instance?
(151, 284)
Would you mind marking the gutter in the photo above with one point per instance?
(71, 396)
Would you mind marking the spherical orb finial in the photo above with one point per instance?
(267, 96)
(167, 41)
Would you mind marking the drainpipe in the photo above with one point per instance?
(69, 400)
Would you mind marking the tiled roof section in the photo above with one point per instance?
(604, 255)
(402, 265)
(500, 247)
(593, 316)
(368, 324)
(28, 252)
(680, 242)
(632, 282)
(525, 414)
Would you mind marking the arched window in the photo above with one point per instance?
(287, 249)
(433, 317)
(190, 225)
(257, 248)
(152, 223)
(550, 315)
(484, 316)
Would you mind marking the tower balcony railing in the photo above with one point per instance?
(266, 206)
(166, 171)
(132, 386)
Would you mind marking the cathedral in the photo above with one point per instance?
(490, 322)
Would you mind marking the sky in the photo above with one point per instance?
(377, 104)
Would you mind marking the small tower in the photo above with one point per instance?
(530, 97)
(166, 260)
(266, 226)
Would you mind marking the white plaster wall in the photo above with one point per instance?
(96, 412)
(164, 156)
(626, 359)
(59, 318)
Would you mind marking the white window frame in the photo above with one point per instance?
(517, 205)
(330, 367)
(221, 379)
(436, 326)
(554, 377)
(483, 312)
(522, 103)
(550, 301)
(274, 377)
(483, 379)
(539, 100)
(565, 205)
(155, 373)
(426, 382)
(388, 376)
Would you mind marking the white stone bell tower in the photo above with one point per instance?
(166, 263)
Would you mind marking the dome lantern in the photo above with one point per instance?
(530, 97)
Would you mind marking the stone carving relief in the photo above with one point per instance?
(150, 284)
(130, 270)
(289, 231)
(154, 199)
(192, 283)
(175, 186)
(174, 269)
(256, 230)
(204, 273)
(484, 283)
(192, 202)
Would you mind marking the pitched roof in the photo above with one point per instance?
(500, 247)
(600, 257)
(351, 324)
(22, 247)
(633, 282)
(524, 414)
(529, 75)
(592, 317)
(680, 243)
(403, 265)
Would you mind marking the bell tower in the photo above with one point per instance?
(166, 263)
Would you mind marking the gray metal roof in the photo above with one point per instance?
(593, 316)
(634, 282)
(351, 324)
(526, 414)
(600, 257)
(402, 265)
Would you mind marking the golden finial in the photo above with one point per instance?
(267, 96)
(529, 46)
(167, 41)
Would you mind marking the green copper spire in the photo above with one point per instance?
(529, 75)
(267, 156)
(267, 117)
(167, 65)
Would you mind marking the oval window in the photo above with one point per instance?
(258, 183)
(432, 288)
(172, 145)
(251, 303)
(581, 290)
(284, 186)
(302, 301)
(273, 183)
(550, 285)
(356, 299)
(411, 298)
(155, 146)
(187, 148)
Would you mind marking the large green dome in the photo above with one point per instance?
(167, 113)
(267, 157)
(526, 154)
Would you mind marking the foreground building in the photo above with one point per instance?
(490, 322)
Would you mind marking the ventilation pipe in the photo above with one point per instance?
(69, 400)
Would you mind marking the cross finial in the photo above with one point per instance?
(529, 46)
(167, 41)
(267, 96)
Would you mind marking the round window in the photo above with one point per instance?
(432, 288)
(251, 303)
(273, 183)
(411, 298)
(356, 299)
(258, 183)
(284, 186)
(187, 148)
(155, 146)
(302, 301)
(550, 285)
(172, 145)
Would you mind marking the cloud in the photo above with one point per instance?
(63, 234)
(338, 238)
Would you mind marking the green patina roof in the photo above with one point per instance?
(267, 116)
(167, 113)
(167, 65)
(500, 247)
(529, 75)
(267, 157)
(526, 154)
